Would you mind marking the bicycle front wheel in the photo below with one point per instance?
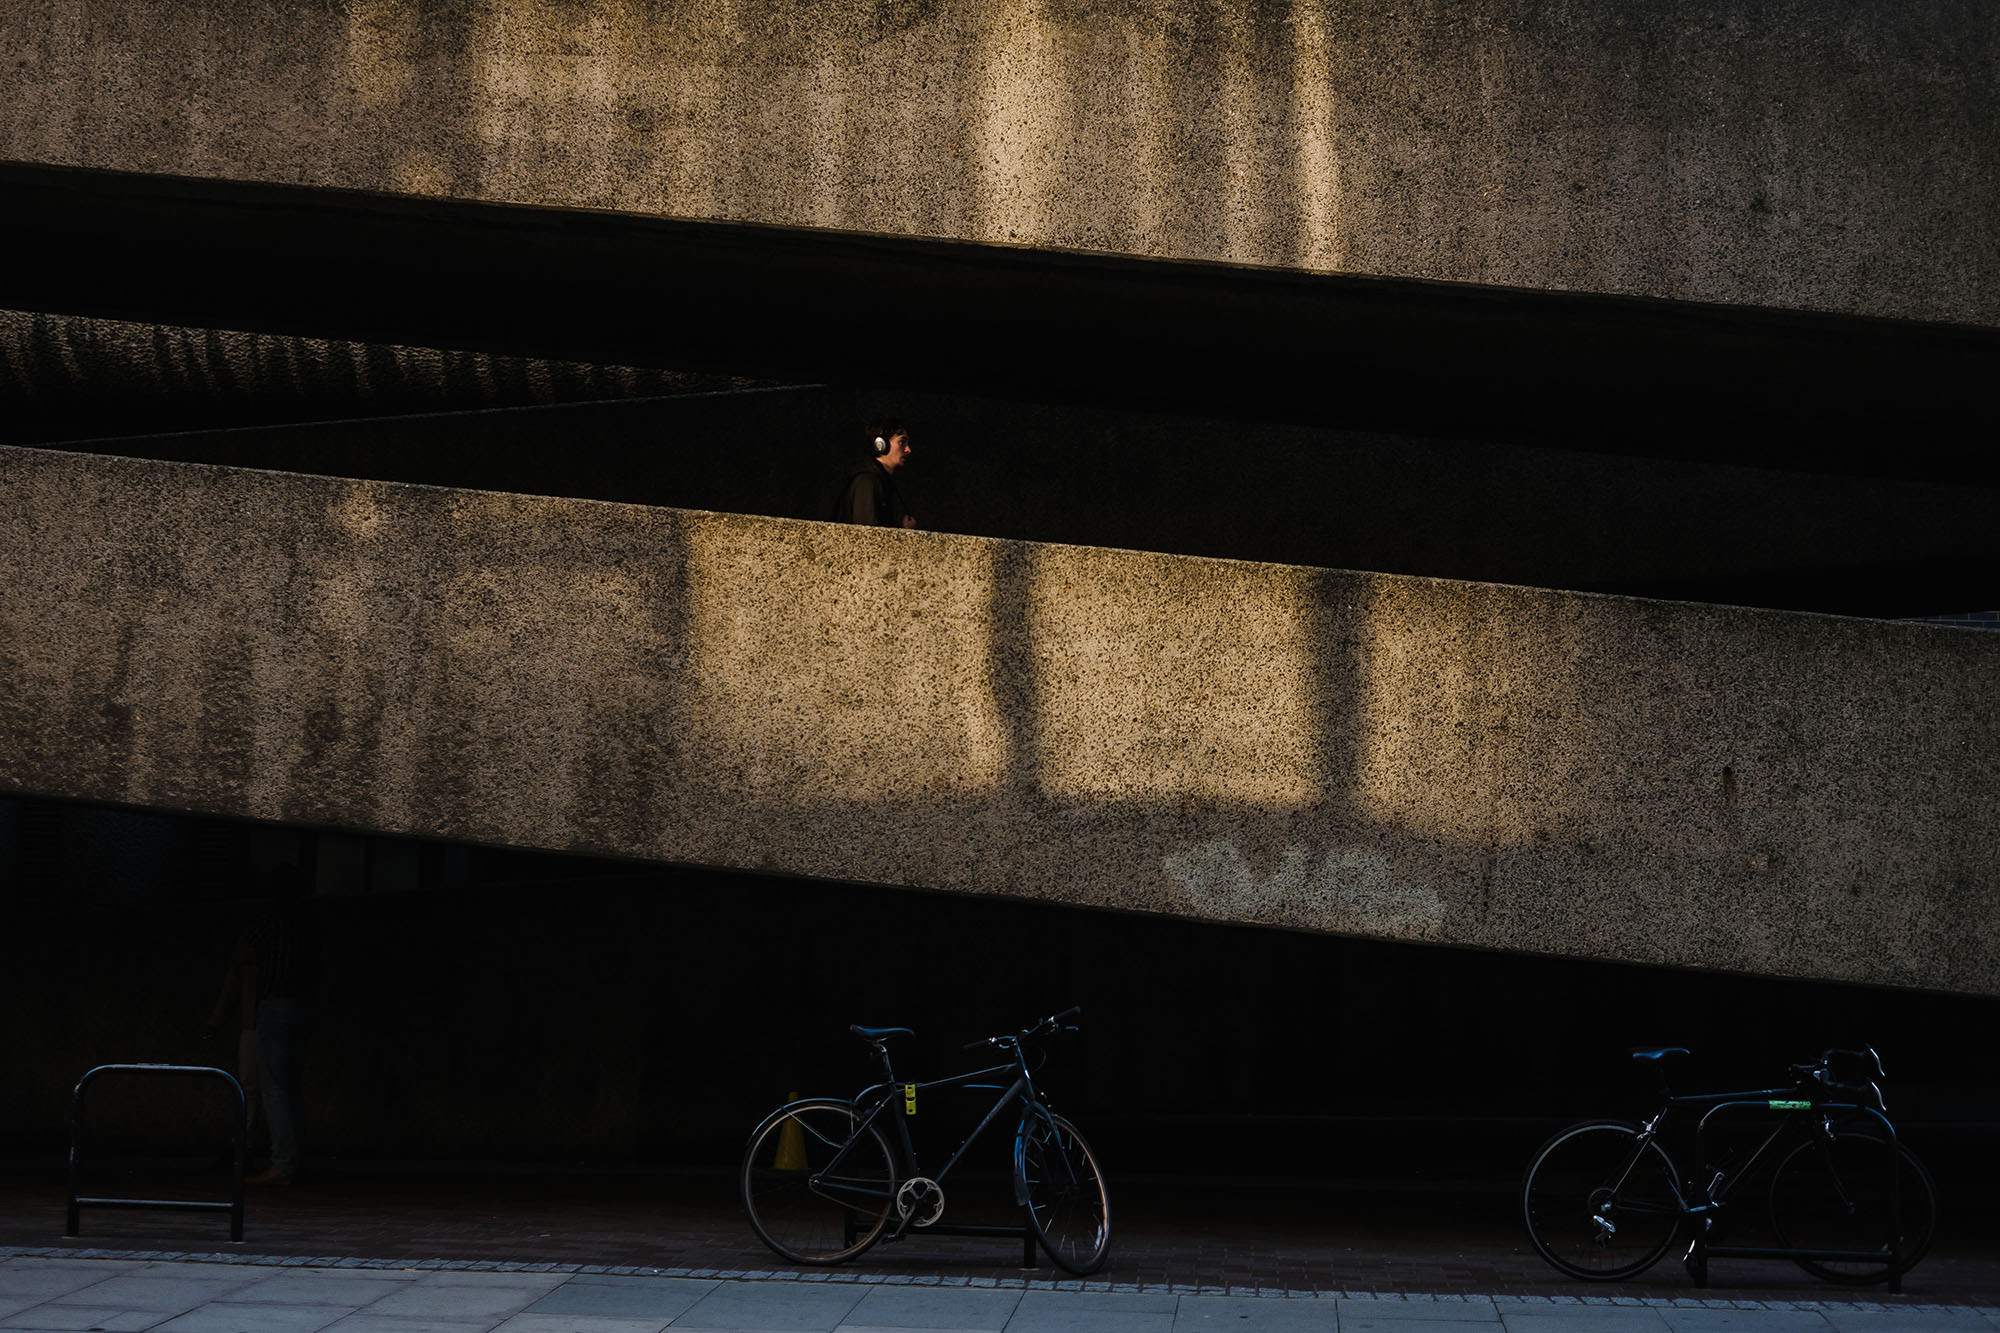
(1600, 1203)
(818, 1184)
(1056, 1177)
(1833, 1194)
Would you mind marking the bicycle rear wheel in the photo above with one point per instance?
(1598, 1205)
(1833, 1194)
(1056, 1176)
(817, 1183)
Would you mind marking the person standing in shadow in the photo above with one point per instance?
(239, 990)
(284, 948)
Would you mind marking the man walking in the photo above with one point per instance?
(870, 495)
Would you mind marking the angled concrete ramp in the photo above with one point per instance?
(1402, 758)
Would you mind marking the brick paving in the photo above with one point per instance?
(1211, 1237)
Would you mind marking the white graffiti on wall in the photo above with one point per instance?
(1347, 887)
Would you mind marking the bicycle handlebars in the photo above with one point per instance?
(1869, 1069)
(1053, 1023)
(1822, 1071)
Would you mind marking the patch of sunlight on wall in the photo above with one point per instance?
(1317, 190)
(1239, 109)
(522, 82)
(1018, 133)
(1417, 715)
(381, 44)
(1147, 148)
(1469, 722)
(1173, 680)
(823, 126)
(824, 665)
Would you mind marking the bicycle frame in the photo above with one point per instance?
(878, 1100)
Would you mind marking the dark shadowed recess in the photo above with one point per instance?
(482, 1005)
(1758, 457)
(1830, 393)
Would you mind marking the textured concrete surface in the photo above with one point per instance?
(1393, 757)
(1813, 155)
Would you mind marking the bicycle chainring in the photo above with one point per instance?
(919, 1201)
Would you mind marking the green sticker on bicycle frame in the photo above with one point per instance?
(909, 1099)
(1790, 1106)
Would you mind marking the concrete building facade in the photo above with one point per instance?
(1387, 459)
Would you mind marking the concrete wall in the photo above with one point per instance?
(1832, 156)
(1392, 757)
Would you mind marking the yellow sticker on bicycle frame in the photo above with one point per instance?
(909, 1099)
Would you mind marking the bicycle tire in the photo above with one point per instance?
(1833, 1195)
(1598, 1206)
(1056, 1177)
(799, 1208)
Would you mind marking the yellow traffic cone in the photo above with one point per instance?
(791, 1144)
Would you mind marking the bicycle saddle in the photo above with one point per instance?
(1657, 1052)
(878, 1034)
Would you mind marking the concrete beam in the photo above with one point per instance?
(1832, 155)
(1402, 758)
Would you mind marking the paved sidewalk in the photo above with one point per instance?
(233, 1295)
(398, 1250)
(49, 1291)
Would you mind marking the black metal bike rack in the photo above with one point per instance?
(78, 1201)
(1701, 1251)
(1025, 1231)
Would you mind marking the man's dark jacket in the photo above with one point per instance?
(870, 496)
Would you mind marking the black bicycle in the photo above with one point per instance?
(824, 1179)
(1845, 1199)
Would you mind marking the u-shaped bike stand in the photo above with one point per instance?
(1025, 1231)
(77, 1202)
(1701, 1251)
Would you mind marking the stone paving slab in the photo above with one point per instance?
(323, 1286)
(1594, 1318)
(556, 1323)
(772, 1307)
(1396, 1311)
(94, 1318)
(621, 1296)
(966, 1310)
(251, 1317)
(1214, 1314)
(1094, 1311)
(369, 1322)
(459, 1296)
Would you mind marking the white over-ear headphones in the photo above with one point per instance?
(881, 445)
